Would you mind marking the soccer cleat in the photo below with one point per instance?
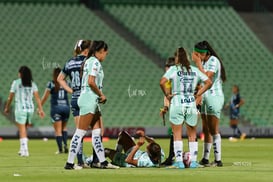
(24, 154)
(58, 152)
(65, 149)
(78, 167)
(84, 165)
(232, 139)
(177, 165)
(194, 164)
(204, 162)
(107, 165)
(243, 136)
(69, 166)
(95, 165)
(216, 164)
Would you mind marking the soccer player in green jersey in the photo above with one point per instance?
(90, 97)
(23, 89)
(184, 79)
(209, 63)
(133, 156)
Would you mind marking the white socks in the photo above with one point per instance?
(178, 150)
(217, 146)
(75, 145)
(23, 145)
(97, 144)
(206, 150)
(193, 150)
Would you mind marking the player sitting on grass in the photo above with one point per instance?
(133, 157)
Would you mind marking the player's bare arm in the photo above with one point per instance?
(10, 98)
(62, 82)
(130, 158)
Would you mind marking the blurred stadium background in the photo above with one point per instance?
(141, 34)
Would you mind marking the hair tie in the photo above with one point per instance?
(78, 44)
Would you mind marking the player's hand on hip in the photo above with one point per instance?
(6, 110)
(163, 111)
(102, 99)
(170, 96)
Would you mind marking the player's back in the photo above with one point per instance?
(23, 95)
(58, 97)
(183, 83)
(72, 69)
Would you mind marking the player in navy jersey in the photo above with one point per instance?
(234, 105)
(59, 110)
(72, 69)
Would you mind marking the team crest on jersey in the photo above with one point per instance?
(179, 73)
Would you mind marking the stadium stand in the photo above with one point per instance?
(43, 36)
(248, 62)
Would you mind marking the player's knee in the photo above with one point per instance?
(205, 129)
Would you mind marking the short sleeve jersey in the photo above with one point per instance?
(235, 99)
(213, 65)
(23, 96)
(57, 98)
(144, 159)
(72, 69)
(183, 84)
(92, 67)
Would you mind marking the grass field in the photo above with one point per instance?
(249, 160)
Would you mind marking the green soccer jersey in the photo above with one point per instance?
(23, 96)
(92, 67)
(213, 65)
(184, 84)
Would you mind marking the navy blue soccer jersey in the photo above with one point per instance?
(234, 111)
(58, 98)
(72, 68)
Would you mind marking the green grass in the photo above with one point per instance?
(252, 158)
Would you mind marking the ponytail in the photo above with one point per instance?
(26, 76)
(80, 46)
(56, 73)
(182, 57)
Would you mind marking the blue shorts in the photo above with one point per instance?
(60, 113)
(75, 107)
